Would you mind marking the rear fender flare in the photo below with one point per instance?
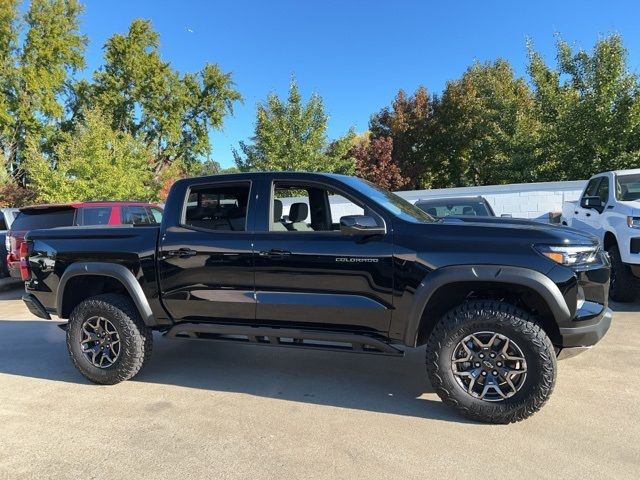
(113, 270)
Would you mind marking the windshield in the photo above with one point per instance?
(391, 202)
(628, 187)
(445, 208)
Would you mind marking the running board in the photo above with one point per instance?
(284, 337)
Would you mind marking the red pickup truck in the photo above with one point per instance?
(70, 214)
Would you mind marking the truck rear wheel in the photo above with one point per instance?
(490, 362)
(107, 340)
(622, 287)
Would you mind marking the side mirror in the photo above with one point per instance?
(506, 215)
(360, 225)
(591, 202)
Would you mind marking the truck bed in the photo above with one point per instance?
(132, 247)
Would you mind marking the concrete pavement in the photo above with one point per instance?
(218, 411)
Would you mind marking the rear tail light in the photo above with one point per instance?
(24, 264)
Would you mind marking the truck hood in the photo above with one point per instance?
(630, 207)
(493, 220)
(515, 228)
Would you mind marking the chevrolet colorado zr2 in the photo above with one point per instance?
(332, 262)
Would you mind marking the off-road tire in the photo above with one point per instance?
(136, 338)
(623, 287)
(518, 326)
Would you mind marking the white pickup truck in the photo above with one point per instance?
(609, 208)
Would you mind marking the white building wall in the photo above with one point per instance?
(524, 200)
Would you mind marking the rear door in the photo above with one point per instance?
(206, 260)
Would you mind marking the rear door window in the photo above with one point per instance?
(217, 207)
(44, 218)
(96, 215)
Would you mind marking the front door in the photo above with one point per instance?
(582, 218)
(309, 274)
(206, 263)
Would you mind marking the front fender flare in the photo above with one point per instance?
(525, 277)
(113, 270)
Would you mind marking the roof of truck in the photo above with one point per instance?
(630, 171)
(100, 203)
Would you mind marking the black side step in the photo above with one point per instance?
(284, 337)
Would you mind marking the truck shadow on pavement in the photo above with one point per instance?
(36, 348)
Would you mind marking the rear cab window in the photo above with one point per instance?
(42, 218)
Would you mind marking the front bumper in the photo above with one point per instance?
(635, 270)
(581, 336)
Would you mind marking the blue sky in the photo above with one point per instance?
(355, 54)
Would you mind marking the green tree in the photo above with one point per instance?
(589, 106)
(291, 135)
(486, 128)
(208, 167)
(35, 73)
(171, 113)
(92, 162)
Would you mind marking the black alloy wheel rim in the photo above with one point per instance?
(100, 342)
(489, 366)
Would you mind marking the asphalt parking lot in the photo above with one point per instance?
(201, 410)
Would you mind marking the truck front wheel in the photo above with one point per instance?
(490, 362)
(106, 339)
(622, 287)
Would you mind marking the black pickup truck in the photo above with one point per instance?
(329, 262)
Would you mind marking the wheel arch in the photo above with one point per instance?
(609, 239)
(95, 278)
(447, 287)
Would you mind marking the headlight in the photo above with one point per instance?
(633, 222)
(570, 255)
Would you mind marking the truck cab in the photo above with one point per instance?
(609, 208)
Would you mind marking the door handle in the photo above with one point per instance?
(275, 253)
(181, 253)
(588, 214)
(576, 212)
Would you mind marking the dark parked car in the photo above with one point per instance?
(80, 213)
(456, 206)
(494, 303)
